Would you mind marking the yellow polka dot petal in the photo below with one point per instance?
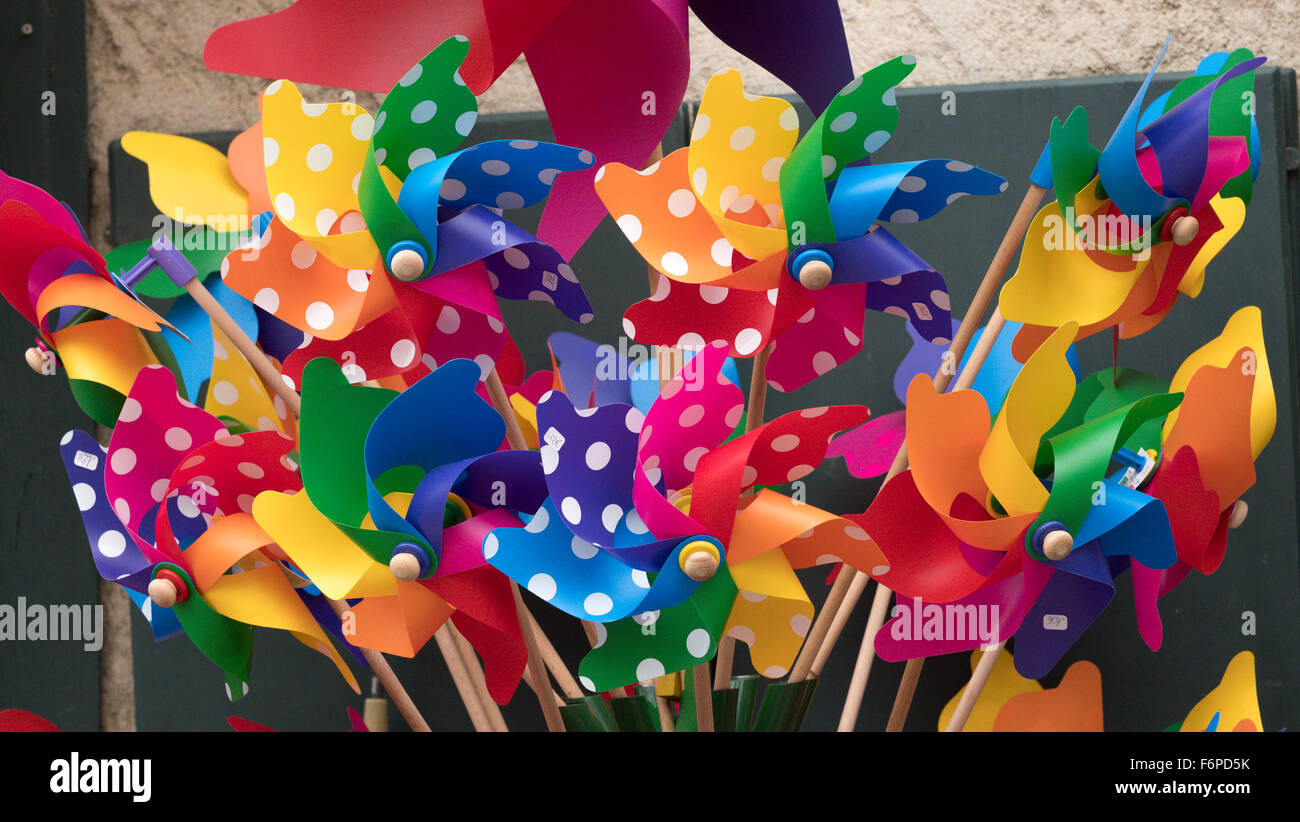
(313, 154)
(1036, 400)
(738, 146)
(189, 181)
(235, 390)
(771, 615)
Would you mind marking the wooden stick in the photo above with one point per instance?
(753, 419)
(554, 663)
(495, 719)
(255, 356)
(460, 676)
(971, 694)
(979, 305)
(392, 685)
(703, 698)
(906, 688)
(862, 668)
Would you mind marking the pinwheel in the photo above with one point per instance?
(62, 286)
(1233, 705)
(400, 490)
(765, 242)
(972, 527)
(632, 495)
(612, 75)
(167, 511)
(1135, 224)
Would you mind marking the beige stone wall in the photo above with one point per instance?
(146, 56)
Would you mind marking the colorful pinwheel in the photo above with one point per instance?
(763, 241)
(167, 511)
(1135, 224)
(973, 529)
(1010, 702)
(62, 286)
(633, 495)
(612, 75)
(412, 482)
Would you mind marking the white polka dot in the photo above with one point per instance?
(85, 496)
(362, 127)
(490, 546)
(419, 157)
(674, 264)
(713, 294)
(598, 604)
(844, 122)
(423, 111)
(799, 623)
(325, 219)
(749, 476)
(798, 471)
(381, 154)
(225, 393)
(854, 532)
(597, 456)
(582, 549)
(748, 341)
(681, 203)
(496, 168)
(733, 416)
(131, 410)
(721, 251)
(904, 215)
(649, 669)
(448, 320)
(587, 683)
(635, 523)
(302, 255)
(774, 671)
(692, 415)
(178, 438)
(267, 300)
(785, 442)
(538, 523)
(111, 543)
(571, 510)
(693, 457)
(320, 316)
(822, 362)
(890, 97)
(701, 127)
(828, 165)
(875, 140)
(631, 226)
(789, 120)
(698, 643)
(402, 353)
(274, 87)
(634, 420)
(122, 460)
(741, 632)
(509, 199)
(284, 205)
(319, 157)
(611, 516)
(690, 340)
(358, 280)
(742, 138)
(187, 507)
(412, 74)
(465, 123)
(245, 502)
(958, 165)
(543, 585)
(700, 180)
(251, 470)
(752, 596)
(452, 189)
(270, 151)
(586, 157)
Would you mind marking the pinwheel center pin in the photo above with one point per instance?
(167, 588)
(406, 261)
(812, 268)
(699, 559)
(1053, 541)
(1180, 227)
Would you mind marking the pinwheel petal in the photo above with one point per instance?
(189, 181)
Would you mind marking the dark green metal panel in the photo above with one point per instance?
(43, 553)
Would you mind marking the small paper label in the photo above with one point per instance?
(550, 280)
(1055, 622)
(88, 461)
(553, 438)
